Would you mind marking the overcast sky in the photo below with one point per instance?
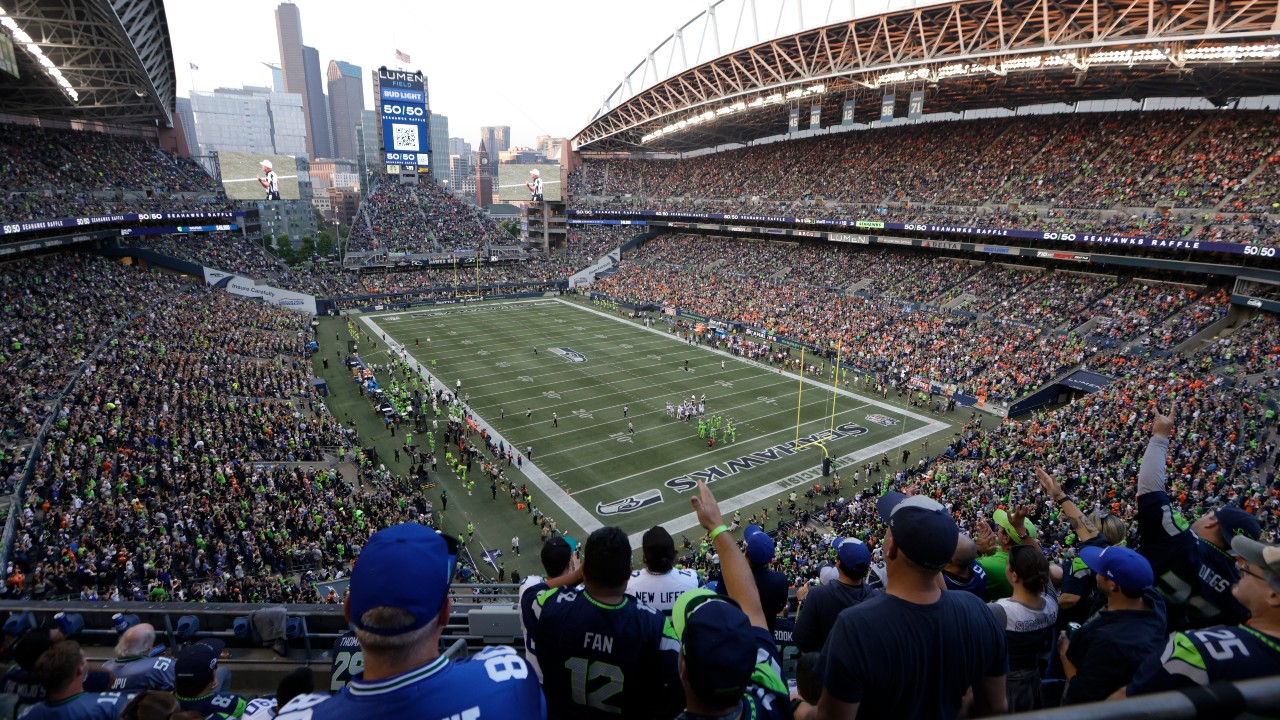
(542, 68)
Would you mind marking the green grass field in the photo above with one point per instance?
(590, 468)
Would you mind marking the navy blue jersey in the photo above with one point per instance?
(603, 661)
(83, 706)
(1194, 576)
(217, 705)
(976, 584)
(494, 683)
(766, 697)
(348, 661)
(784, 637)
(1203, 657)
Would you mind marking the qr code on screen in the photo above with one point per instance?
(404, 137)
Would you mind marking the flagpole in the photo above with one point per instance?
(191, 74)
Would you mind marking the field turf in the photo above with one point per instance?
(591, 364)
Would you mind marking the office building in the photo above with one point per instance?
(438, 134)
(292, 67)
(346, 102)
(317, 107)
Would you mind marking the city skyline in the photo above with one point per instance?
(539, 47)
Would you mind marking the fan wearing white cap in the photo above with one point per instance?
(268, 181)
(535, 185)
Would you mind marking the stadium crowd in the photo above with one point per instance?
(1071, 173)
(421, 219)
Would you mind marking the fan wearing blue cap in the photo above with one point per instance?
(399, 604)
(1193, 566)
(822, 604)
(1226, 653)
(1105, 652)
(729, 664)
(917, 650)
(772, 585)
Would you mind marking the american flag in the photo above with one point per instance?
(194, 66)
(402, 57)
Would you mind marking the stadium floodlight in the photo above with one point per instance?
(34, 49)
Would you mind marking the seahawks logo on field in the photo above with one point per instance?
(882, 419)
(569, 354)
(630, 504)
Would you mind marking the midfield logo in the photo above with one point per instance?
(569, 354)
(630, 504)
(882, 419)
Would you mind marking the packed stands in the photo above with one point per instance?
(421, 219)
(1068, 172)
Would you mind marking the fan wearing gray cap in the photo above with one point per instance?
(729, 664)
(917, 650)
(399, 604)
(1226, 652)
(1192, 567)
(823, 603)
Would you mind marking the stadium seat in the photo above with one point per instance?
(242, 628)
(123, 622)
(69, 623)
(19, 623)
(496, 624)
(188, 627)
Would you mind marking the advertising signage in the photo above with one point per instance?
(402, 103)
(1072, 237)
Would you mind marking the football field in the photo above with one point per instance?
(593, 366)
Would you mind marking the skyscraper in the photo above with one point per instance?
(438, 132)
(289, 33)
(317, 109)
(346, 103)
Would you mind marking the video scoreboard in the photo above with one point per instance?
(402, 102)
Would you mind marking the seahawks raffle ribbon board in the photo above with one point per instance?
(78, 222)
(586, 217)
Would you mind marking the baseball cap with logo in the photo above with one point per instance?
(1119, 564)
(718, 645)
(196, 666)
(408, 567)
(1261, 555)
(1234, 522)
(921, 527)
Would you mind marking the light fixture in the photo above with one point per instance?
(43, 60)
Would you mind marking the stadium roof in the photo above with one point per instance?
(114, 57)
(963, 55)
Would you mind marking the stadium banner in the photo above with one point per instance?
(915, 105)
(846, 114)
(1069, 237)
(815, 117)
(246, 287)
(847, 238)
(54, 224)
(886, 107)
(1086, 381)
(793, 120)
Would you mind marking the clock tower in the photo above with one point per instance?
(484, 177)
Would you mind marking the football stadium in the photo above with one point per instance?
(894, 362)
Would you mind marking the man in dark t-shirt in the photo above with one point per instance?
(824, 603)
(916, 650)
